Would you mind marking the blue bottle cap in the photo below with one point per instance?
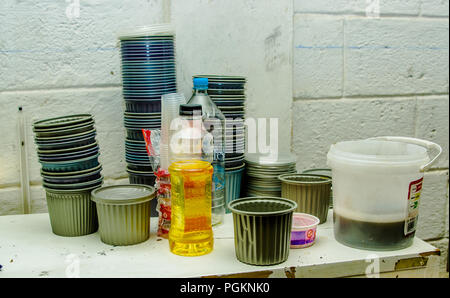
(201, 83)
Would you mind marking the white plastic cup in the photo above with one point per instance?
(170, 104)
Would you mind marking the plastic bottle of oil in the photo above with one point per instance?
(191, 186)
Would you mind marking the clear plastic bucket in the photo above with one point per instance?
(376, 190)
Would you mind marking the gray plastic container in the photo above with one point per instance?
(262, 229)
(124, 213)
(310, 192)
(72, 213)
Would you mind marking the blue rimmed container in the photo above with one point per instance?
(148, 65)
(233, 181)
(72, 165)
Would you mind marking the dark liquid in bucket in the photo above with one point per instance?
(371, 235)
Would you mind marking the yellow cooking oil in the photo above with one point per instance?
(190, 231)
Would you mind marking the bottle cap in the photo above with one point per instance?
(190, 110)
(201, 83)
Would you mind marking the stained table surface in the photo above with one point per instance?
(28, 248)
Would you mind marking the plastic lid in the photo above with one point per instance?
(201, 83)
(123, 194)
(282, 159)
(190, 110)
(304, 221)
(377, 152)
(152, 30)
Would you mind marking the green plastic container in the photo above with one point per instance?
(124, 213)
(262, 229)
(310, 192)
(72, 213)
(322, 172)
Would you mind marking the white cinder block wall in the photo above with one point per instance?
(359, 74)
(324, 68)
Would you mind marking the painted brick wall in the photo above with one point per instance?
(330, 70)
(362, 70)
(56, 61)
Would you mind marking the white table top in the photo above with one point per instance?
(28, 248)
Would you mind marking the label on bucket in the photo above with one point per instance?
(412, 215)
(303, 237)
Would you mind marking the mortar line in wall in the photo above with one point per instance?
(291, 110)
(58, 89)
(39, 183)
(415, 116)
(436, 239)
(437, 170)
(369, 96)
(343, 57)
(362, 15)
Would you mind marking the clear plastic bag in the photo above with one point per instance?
(162, 183)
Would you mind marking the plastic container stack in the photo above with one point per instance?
(148, 72)
(68, 152)
(228, 93)
(262, 171)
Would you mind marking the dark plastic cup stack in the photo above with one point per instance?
(148, 72)
(228, 93)
(68, 152)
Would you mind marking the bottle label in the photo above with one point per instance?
(218, 177)
(415, 189)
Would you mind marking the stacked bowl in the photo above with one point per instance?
(262, 173)
(148, 72)
(68, 152)
(228, 93)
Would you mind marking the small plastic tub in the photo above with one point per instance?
(150, 106)
(303, 233)
(123, 213)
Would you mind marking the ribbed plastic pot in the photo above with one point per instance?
(142, 179)
(310, 192)
(233, 181)
(124, 213)
(72, 213)
(262, 229)
(151, 106)
(322, 172)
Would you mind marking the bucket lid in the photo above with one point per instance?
(378, 152)
(262, 206)
(123, 194)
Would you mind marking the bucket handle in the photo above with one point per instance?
(427, 144)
